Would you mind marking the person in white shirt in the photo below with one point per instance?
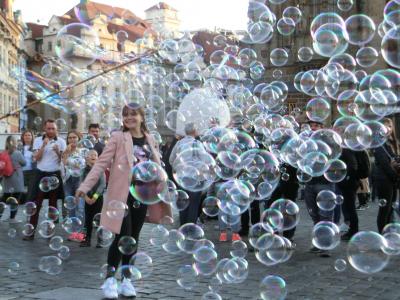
(48, 151)
(26, 149)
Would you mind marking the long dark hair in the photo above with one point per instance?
(11, 144)
(76, 132)
(137, 108)
(392, 138)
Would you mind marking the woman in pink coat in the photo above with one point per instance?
(124, 149)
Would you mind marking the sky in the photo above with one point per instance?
(194, 14)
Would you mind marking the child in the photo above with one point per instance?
(93, 199)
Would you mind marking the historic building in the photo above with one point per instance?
(302, 38)
(120, 33)
(12, 66)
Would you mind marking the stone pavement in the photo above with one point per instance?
(307, 275)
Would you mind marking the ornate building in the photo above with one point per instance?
(12, 59)
(302, 38)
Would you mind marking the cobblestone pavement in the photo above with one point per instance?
(307, 275)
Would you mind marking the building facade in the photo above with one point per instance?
(12, 66)
(301, 37)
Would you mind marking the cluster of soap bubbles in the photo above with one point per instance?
(247, 134)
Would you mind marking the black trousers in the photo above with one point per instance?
(287, 190)
(190, 214)
(385, 190)
(131, 226)
(252, 214)
(349, 207)
(363, 198)
(17, 196)
(90, 212)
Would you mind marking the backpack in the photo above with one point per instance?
(6, 166)
(364, 165)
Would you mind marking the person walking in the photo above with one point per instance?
(386, 176)
(13, 186)
(125, 148)
(48, 151)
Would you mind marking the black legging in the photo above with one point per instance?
(90, 212)
(349, 207)
(131, 226)
(385, 190)
(17, 196)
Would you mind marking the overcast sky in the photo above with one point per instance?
(194, 14)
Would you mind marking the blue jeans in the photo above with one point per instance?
(310, 196)
(70, 187)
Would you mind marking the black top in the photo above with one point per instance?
(99, 147)
(351, 181)
(383, 170)
(139, 141)
(141, 149)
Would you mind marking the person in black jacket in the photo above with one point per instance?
(287, 188)
(385, 176)
(348, 189)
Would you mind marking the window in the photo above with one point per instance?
(49, 46)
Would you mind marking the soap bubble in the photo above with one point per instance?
(187, 277)
(340, 265)
(326, 235)
(366, 252)
(279, 57)
(273, 288)
(360, 29)
(326, 200)
(305, 54)
(56, 242)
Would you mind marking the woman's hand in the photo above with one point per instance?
(79, 194)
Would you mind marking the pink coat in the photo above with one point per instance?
(118, 155)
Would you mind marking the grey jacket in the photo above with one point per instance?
(15, 183)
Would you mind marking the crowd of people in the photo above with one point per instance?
(105, 176)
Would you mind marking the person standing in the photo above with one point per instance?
(348, 189)
(93, 199)
(287, 189)
(29, 168)
(48, 151)
(191, 213)
(94, 130)
(311, 190)
(125, 148)
(13, 186)
(363, 194)
(72, 179)
(386, 177)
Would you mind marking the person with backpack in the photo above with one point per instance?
(13, 180)
(386, 176)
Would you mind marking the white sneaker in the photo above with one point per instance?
(110, 288)
(343, 227)
(126, 288)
